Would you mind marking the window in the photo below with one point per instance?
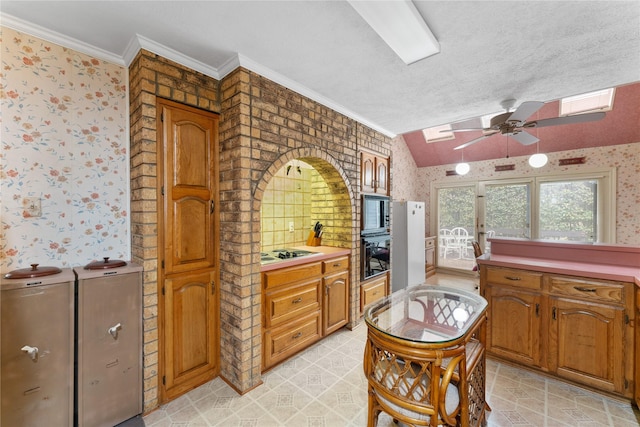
(438, 133)
(601, 100)
(578, 207)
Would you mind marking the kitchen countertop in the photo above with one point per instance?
(324, 252)
(606, 262)
(572, 268)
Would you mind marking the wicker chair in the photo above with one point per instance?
(414, 385)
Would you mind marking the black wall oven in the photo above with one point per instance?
(375, 255)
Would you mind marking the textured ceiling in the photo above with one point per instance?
(490, 51)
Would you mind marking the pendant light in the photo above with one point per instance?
(539, 159)
(462, 168)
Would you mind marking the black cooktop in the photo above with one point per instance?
(282, 254)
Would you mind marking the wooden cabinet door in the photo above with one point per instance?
(336, 302)
(367, 172)
(190, 332)
(188, 238)
(382, 176)
(190, 138)
(513, 330)
(585, 343)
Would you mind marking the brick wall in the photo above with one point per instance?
(262, 126)
(151, 76)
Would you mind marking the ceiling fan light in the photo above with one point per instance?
(462, 168)
(538, 160)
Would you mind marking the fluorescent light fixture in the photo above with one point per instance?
(401, 26)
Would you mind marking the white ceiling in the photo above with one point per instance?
(490, 50)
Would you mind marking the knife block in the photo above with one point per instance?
(312, 240)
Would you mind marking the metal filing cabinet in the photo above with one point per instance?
(37, 347)
(109, 364)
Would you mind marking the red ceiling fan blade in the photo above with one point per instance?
(525, 110)
(525, 138)
(578, 118)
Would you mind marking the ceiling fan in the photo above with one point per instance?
(514, 123)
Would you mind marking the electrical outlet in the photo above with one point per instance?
(31, 207)
(291, 227)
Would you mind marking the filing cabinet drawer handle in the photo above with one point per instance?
(583, 289)
(296, 301)
(113, 331)
(514, 278)
(31, 351)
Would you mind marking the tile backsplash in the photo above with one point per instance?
(286, 202)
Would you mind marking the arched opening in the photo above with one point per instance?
(301, 193)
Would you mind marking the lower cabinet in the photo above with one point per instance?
(301, 305)
(514, 331)
(373, 289)
(574, 327)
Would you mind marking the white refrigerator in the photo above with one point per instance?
(407, 244)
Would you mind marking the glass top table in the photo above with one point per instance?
(427, 314)
(424, 358)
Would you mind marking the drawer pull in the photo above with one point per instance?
(583, 289)
(296, 301)
(337, 264)
(296, 336)
(514, 278)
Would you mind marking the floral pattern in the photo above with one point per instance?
(65, 141)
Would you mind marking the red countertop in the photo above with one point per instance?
(324, 252)
(599, 261)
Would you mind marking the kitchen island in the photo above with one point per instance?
(567, 309)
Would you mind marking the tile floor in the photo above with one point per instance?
(324, 386)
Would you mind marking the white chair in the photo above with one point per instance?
(461, 241)
(447, 242)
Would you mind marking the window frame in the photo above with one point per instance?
(606, 193)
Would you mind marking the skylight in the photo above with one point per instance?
(601, 100)
(434, 134)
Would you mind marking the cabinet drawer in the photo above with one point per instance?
(286, 275)
(587, 289)
(429, 243)
(336, 264)
(373, 291)
(291, 302)
(513, 277)
(285, 341)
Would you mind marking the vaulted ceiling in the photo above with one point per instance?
(489, 50)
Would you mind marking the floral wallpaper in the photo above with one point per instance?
(65, 145)
(625, 158)
(404, 174)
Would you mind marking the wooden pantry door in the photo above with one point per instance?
(189, 302)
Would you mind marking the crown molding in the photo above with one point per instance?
(140, 42)
(60, 39)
